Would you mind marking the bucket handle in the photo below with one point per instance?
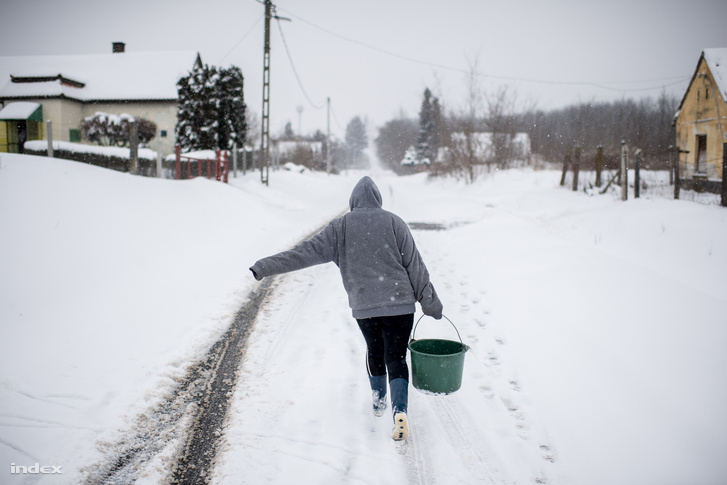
(450, 321)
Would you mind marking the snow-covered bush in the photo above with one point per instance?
(109, 129)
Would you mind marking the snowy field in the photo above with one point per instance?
(597, 328)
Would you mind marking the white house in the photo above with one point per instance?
(66, 89)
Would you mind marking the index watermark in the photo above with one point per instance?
(34, 469)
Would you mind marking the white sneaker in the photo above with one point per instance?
(401, 427)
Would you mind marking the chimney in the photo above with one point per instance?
(118, 47)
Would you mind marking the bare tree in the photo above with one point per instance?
(465, 151)
(502, 124)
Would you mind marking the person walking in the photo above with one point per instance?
(384, 276)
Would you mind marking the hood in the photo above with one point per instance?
(365, 195)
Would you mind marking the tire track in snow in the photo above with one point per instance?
(194, 413)
(460, 438)
(418, 469)
(195, 464)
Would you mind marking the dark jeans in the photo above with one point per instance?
(386, 343)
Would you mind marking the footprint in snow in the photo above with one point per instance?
(487, 392)
(547, 454)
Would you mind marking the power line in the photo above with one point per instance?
(495, 76)
(295, 71)
(369, 46)
(243, 37)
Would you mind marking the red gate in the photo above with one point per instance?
(218, 167)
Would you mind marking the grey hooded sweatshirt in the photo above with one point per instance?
(382, 270)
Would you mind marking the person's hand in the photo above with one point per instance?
(434, 311)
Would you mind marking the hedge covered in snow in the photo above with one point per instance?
(115, 158)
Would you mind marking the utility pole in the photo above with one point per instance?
(265, 138)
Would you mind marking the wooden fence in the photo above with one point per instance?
(697, 183)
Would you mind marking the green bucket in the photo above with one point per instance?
(437, 365)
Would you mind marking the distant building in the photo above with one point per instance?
(484, 146)
(412, 162)
(67, 89)
(701, 121)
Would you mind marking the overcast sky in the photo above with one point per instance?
(374, 58)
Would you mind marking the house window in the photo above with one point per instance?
(74, 135)
(701, 159)
(163, 133)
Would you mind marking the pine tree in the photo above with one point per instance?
(429, 121)
(437, 127)
(211, 111)
(232, 123)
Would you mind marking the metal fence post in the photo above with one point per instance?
(49, 137)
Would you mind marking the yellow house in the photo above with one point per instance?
(69, 88)
(701, 122)
(20, 122)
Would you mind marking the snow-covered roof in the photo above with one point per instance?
(21, 110)
(717, 62)
(92, 77)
